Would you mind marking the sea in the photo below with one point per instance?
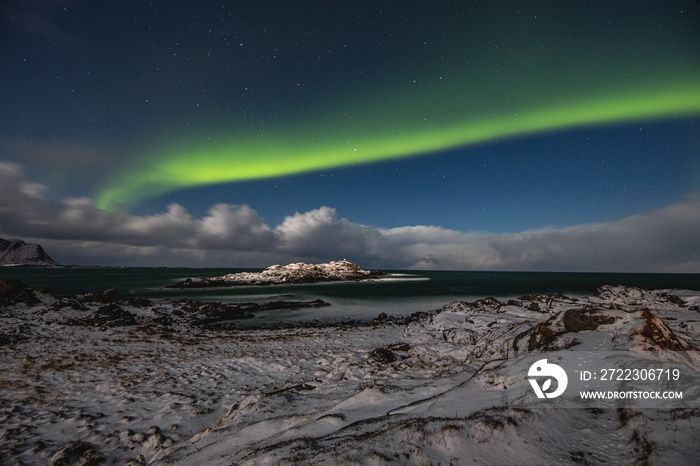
(400, 293)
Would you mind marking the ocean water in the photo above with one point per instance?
(401, 293)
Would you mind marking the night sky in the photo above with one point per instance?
(487, 135)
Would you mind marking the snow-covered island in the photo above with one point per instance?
(105, 379)
(297, 273)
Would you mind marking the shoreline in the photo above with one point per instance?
(150, 282)
(125, 380)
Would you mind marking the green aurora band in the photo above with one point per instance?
(345, 140)
(443, 84)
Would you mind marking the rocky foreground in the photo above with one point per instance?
(102, 378)
(297, 273)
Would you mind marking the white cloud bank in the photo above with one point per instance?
(74, 231)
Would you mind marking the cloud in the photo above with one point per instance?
(60, 163)
(239, 227)
(664, 240)
(319, 233)
(75, 231)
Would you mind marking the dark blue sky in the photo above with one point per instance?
(476, 119)
(559, 179)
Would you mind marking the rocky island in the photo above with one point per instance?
(297, 273)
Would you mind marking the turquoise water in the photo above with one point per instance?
(403, 293)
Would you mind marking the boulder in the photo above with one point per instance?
(14, 291)
(579, 320)
(77, 452)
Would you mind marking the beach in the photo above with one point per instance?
(349, 233)
(129, 381)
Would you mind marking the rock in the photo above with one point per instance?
(14, 291)
(111, 315)
(656, 332)
(111, 296)
(209, 313)
(489, 302)
(542, 297)
(627, 294)
(17, 252)
(403, 346)
(671, 298)
(541, 336)
(13, 335)
(383, 356)
(551, 335)
(417, 317)
(77, 452)
(460, 336)
(539, 302)
(534, 307)
(579, 320)
(104, 297)
(297, 273)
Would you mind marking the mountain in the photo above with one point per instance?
(17, 252)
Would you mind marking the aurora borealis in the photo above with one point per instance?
(590, 110)
(465, 97)
(285, 153)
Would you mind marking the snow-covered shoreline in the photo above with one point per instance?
(130, 382)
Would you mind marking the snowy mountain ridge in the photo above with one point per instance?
(17, 252)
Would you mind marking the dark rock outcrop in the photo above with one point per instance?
(111, 315)
(111, 296)
(77, 452)
(13, 291)
(17, 252)
(579, 320)
(213, 313)
(383, 355)
(659, 336)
